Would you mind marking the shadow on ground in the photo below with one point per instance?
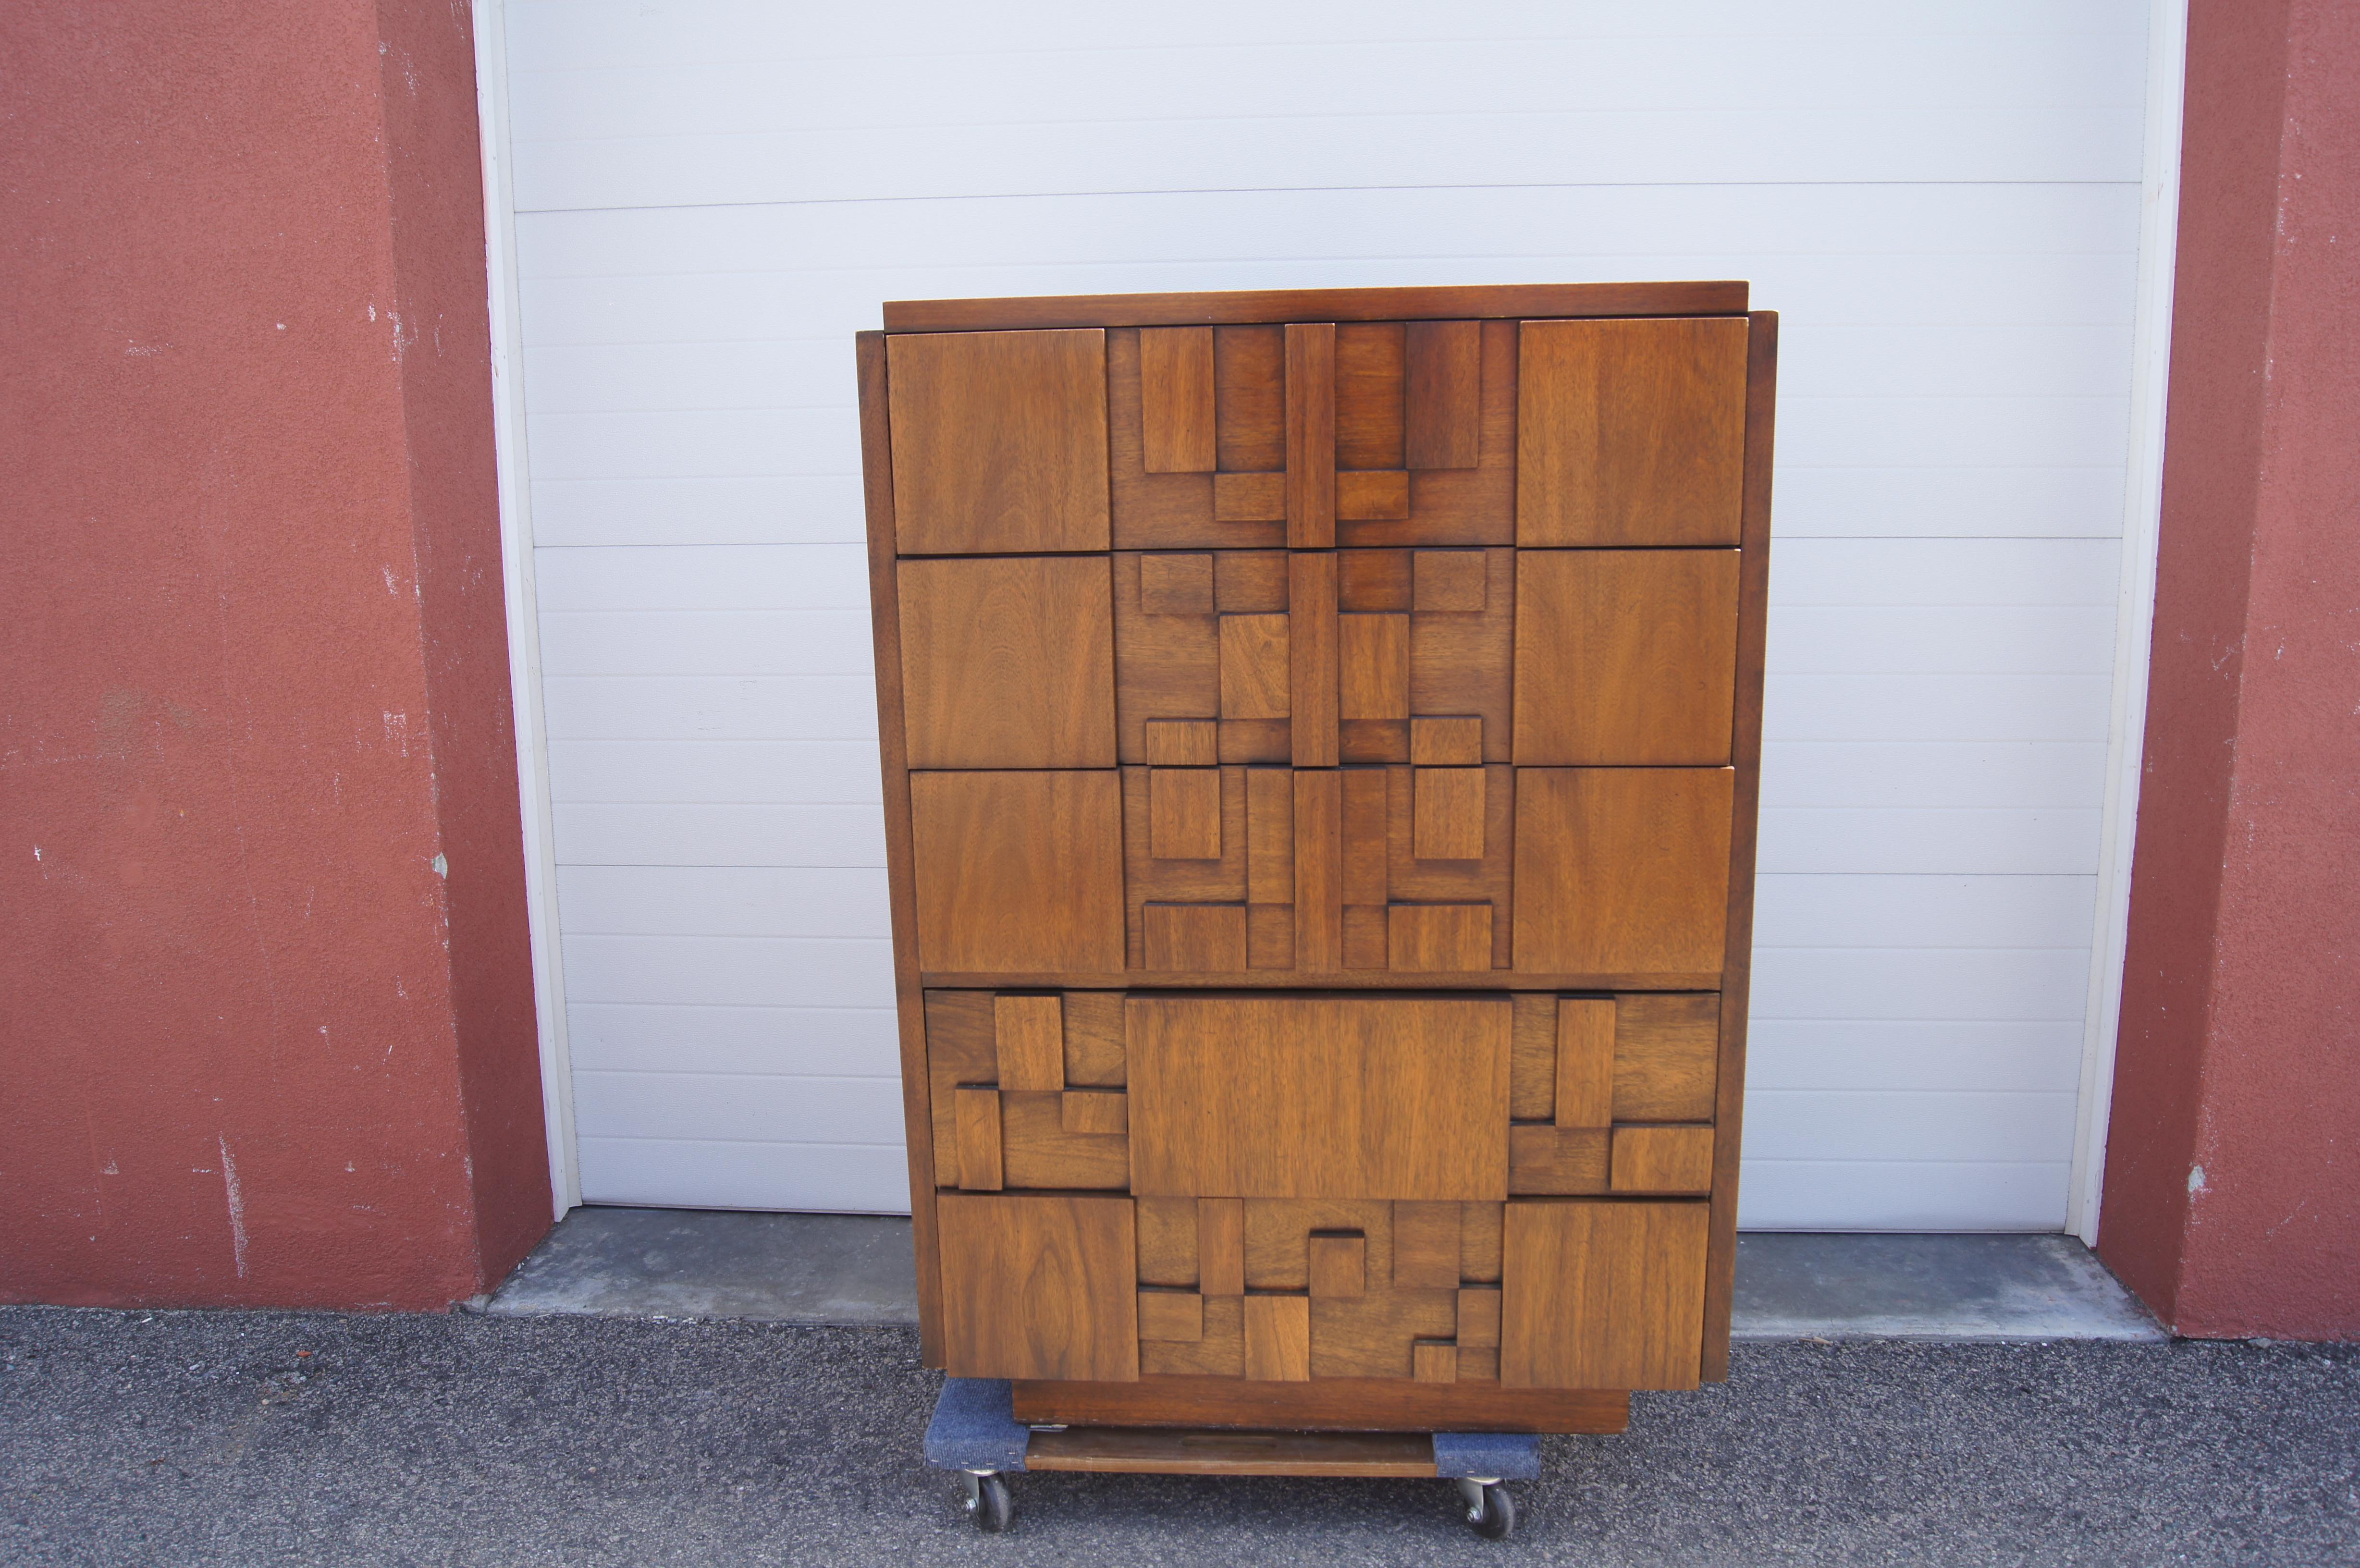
(213, 1438)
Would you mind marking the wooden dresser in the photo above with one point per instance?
(1320, 736)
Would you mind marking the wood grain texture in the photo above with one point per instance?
(1532, 1058)
(1372, 496)
(1454, 742)
(1621, 868)
(1318, 1097)
(1167, 1239)
(1039, 1286)
(1368, 395)
(1144, 1451)
(1278, 1338)
(1585, 1061)
(1447, 580)
(1625, 656)
(1478, 1317)
(1094, 1113)
(1473, 506)
(1312, 655)
(1448, 816)
(1481, 1228)
(1152, 879)
(1666, 1058)
(1167, 662)
(1183, 743)
(1602, 1294)
(1221, 1245)
(1094, 1039)
(998, 441)
(1631, 433)
(1039, 1151)
(1008, 661)
(1018, 871)
(1324, 1404)
(1443, 394)
(1029, 1042)
(1373, 666)
(1462, 662)
(1434, 1361)
(1543, 1158)
(1438, 938)
(978, 1113)
(1662, 1159)
(1737, 965)
(1412, 881)
(1175, 376)
(1176, 1315)
(1249, 375)
(1250, 497)
(1207, 938)
(1257, 679)
(1339, 1264)
(1177, 583)
(1183, 812)
(1425, 1246)
(1310, 436)
(918, 1108)
(1318, 833)
(1391, 304)
(1149, 510)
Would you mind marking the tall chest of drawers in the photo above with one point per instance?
(1320, 734)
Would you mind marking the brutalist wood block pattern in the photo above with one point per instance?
(1322, 735)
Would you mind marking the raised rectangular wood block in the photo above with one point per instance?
(1221, 1247)
(1372, 675)
(1256, 678)
(1625, 657)
(1453, 742)
(1443, 402)
(1667, 1057)
(1038, 1286)
(1339, 1264)
(1018, 873)
(1631, 433)
(1585, 1061)
(1095, 1111)
(1183, 813)
(1604, 1295)
(1310, 436)
(1029, 1042)
(1622, 870)
(1183, 743)
(1175, 383)
(1447, 814)
(1177, 1315)
(1312, 657)
(1249, 399)
(1000, 441)
(1318, 1097)
(1278, 1338)
(1663, 1160)
(1008, 662)
(977, 1110)
(1434, 1361)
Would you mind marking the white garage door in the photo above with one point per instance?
(1941, 197)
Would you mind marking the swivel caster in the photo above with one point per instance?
(1490, 1512)
(988, 1500)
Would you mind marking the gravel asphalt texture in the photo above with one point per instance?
(187, 1438)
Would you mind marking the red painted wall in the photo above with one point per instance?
(2233, 1172)
(261, 1048)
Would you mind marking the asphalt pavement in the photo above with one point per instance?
(220, 1438)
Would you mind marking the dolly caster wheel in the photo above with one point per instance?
(1490, 1512)
(988, 1501)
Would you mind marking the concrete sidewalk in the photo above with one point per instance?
(856, 1269)
(217, 1438)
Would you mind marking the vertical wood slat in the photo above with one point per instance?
(1319, 871)
(1278, 1339)
(1312, 630)
(979, 1138)
(1443, 394)
(1176, 386)
(1221, 1247)
(1373, 666)
(1746, 757)
(1311, 436)
(1585, 1061)
(884, 604)
(1028, 1038)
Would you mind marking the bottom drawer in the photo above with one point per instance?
(1321, 1190)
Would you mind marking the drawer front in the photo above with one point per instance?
(1323, 1186)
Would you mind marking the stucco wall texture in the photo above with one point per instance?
(2233, 1169)
(270, 1031)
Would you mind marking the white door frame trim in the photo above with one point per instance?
(523, 608)
(2167, 63)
